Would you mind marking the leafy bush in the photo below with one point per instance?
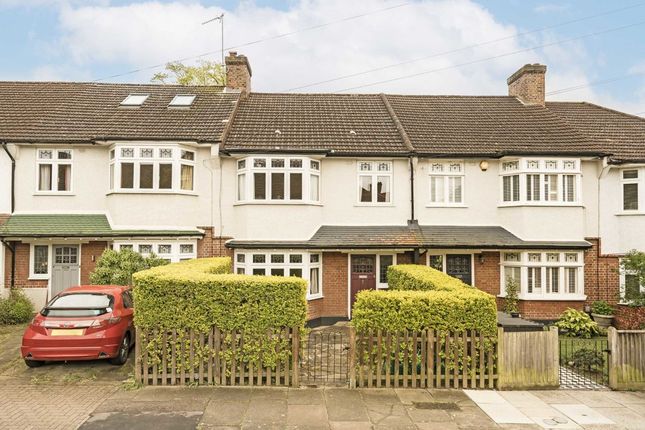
(601, 307)
(410, 277)
(117, 267)
(201, 294)
(587, 359)
(577, 324)
(512, 291)
(16, 309)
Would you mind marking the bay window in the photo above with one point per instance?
(152, 169)
(540, 181)
(446, 183)
(171, 251)
(54, 168)
(301, 264)
(375, 182)
(546, 275)
(278, 179)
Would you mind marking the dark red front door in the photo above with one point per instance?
(363, 274)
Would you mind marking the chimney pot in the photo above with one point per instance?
(238, 73)
(527, 84)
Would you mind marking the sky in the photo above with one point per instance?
(593, 49)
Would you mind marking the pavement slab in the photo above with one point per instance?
(224, 414)
(306, 396)
(142, 421)
(306, 415)
(582, 414)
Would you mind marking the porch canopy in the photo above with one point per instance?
(28, 226)
(409, 237)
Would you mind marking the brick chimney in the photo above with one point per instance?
(238, 73)
(527, 84)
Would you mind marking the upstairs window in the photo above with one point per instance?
(540, 181)
(446, 183)
(630, 179)
(375, 182)
(278, 179)
(54, 170)
(152, 169)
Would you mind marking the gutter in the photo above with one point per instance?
(11, 248)
(13, 175)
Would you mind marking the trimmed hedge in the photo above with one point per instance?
(412, 277)
(201, 294)
(433, 300)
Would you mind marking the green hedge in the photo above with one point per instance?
(201, 294)
(410, 277)
(435, 300)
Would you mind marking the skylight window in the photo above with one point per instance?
(134, 100)
(182, 100)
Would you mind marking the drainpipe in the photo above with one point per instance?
(412, 219)
(12, 248)
(13, 175)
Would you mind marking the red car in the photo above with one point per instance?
(82, 323)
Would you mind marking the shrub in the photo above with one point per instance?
(411, 277)
(512, 291)
(201, 294)
(577, 324)
(16, 309)
(601, 307)
(587, 359)
(117, 267)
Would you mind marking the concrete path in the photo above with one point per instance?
(338, 408)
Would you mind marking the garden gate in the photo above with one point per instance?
(584, 363)
(324, 357)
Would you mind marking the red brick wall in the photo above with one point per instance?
(334, 283)
(546, 309)
(602, 277)
(213, 246)
(90, 254)
(630, 318)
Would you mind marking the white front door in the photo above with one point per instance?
(65, 268)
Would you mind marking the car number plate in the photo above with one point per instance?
(68, 332)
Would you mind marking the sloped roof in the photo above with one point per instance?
(343, 123)
(622, 134)
(72, 112)
(76, 225)
(398, 236)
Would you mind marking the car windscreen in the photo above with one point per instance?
(79, 305)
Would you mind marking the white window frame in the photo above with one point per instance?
(117, 159)
(541, 170)
(373, 173)
(524, 264)
(175, 254)
(443, 253)
(310, 167)
(32, 258)
(54, 162)
(447, 170)
(624, 272)
(305, 265)
(383, 285)
(640, 192)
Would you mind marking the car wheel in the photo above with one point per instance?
(34, 363)
(124, 351)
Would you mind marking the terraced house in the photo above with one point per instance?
(333, 188)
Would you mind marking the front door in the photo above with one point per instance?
(460, 267)
(363, 274)
(65, 268)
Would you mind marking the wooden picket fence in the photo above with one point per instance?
(423, 359)
(627, 359)
(206, 364)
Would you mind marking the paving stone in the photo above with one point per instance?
(449, 395)
(269, 393)
(433, 426)
(548, 417)
(623, 416)
(142, 421)
(225, 414)
(471, 415)
(409, 396)
(303, 415)
(266, 412)
(230, 394)
(393, 415)
(627, 398)
(504, 413)
(486, 397)
(595, 399)
(151, 406)
(350, 425)
(379, 396)
(582, 414)
(306, 396)
(521, 399)
(198, 394)
(555, 396)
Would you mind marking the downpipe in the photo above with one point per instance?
(13, 175)
(12, 248)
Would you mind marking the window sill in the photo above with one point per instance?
(460, 206)
(312, 298)
(38, 278)
(277, 203)
(156, 192)
(374, 205)
(538, 205)
(631, 213)
(54, 193)
(553, 298)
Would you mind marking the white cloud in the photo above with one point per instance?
(152, 32)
